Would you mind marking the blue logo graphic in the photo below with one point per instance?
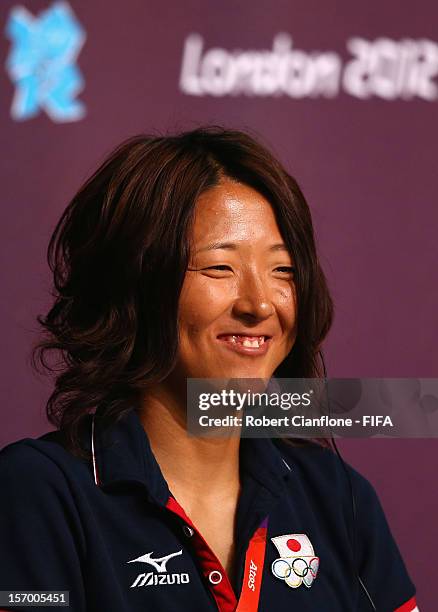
(41, 63)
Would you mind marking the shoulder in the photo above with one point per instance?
(321, 466)
(39, 478)
(41, 517)
(334, 489)
(334, 484)
(39, 465)
(330, 484)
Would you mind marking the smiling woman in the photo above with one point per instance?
(186, 256)
(239, 293)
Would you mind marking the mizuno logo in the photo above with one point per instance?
(151, 579)
(159, 564)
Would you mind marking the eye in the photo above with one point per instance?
(286, 269)
(219, 271)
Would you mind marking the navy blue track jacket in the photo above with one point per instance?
(112, 535)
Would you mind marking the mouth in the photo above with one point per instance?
(246, 344)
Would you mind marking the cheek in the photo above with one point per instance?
(286, 302)
(287, 313)
(190, 326)
(201, 301)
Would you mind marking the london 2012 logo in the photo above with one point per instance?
(297, 564)
(42, 63)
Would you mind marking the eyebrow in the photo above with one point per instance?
(232, 246)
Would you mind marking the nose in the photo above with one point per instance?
(253, 300)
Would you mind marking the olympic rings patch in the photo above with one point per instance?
(297, 563)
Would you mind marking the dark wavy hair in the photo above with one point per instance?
(119, 254)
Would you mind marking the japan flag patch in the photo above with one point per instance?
(297, 563)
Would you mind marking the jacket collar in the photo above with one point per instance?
(123, 454)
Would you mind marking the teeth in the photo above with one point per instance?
(252, 342)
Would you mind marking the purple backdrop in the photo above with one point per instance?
(356, 123)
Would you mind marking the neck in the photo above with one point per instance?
(194, 468)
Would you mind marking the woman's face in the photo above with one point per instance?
(237, 308)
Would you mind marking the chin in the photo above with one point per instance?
(247, 373)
